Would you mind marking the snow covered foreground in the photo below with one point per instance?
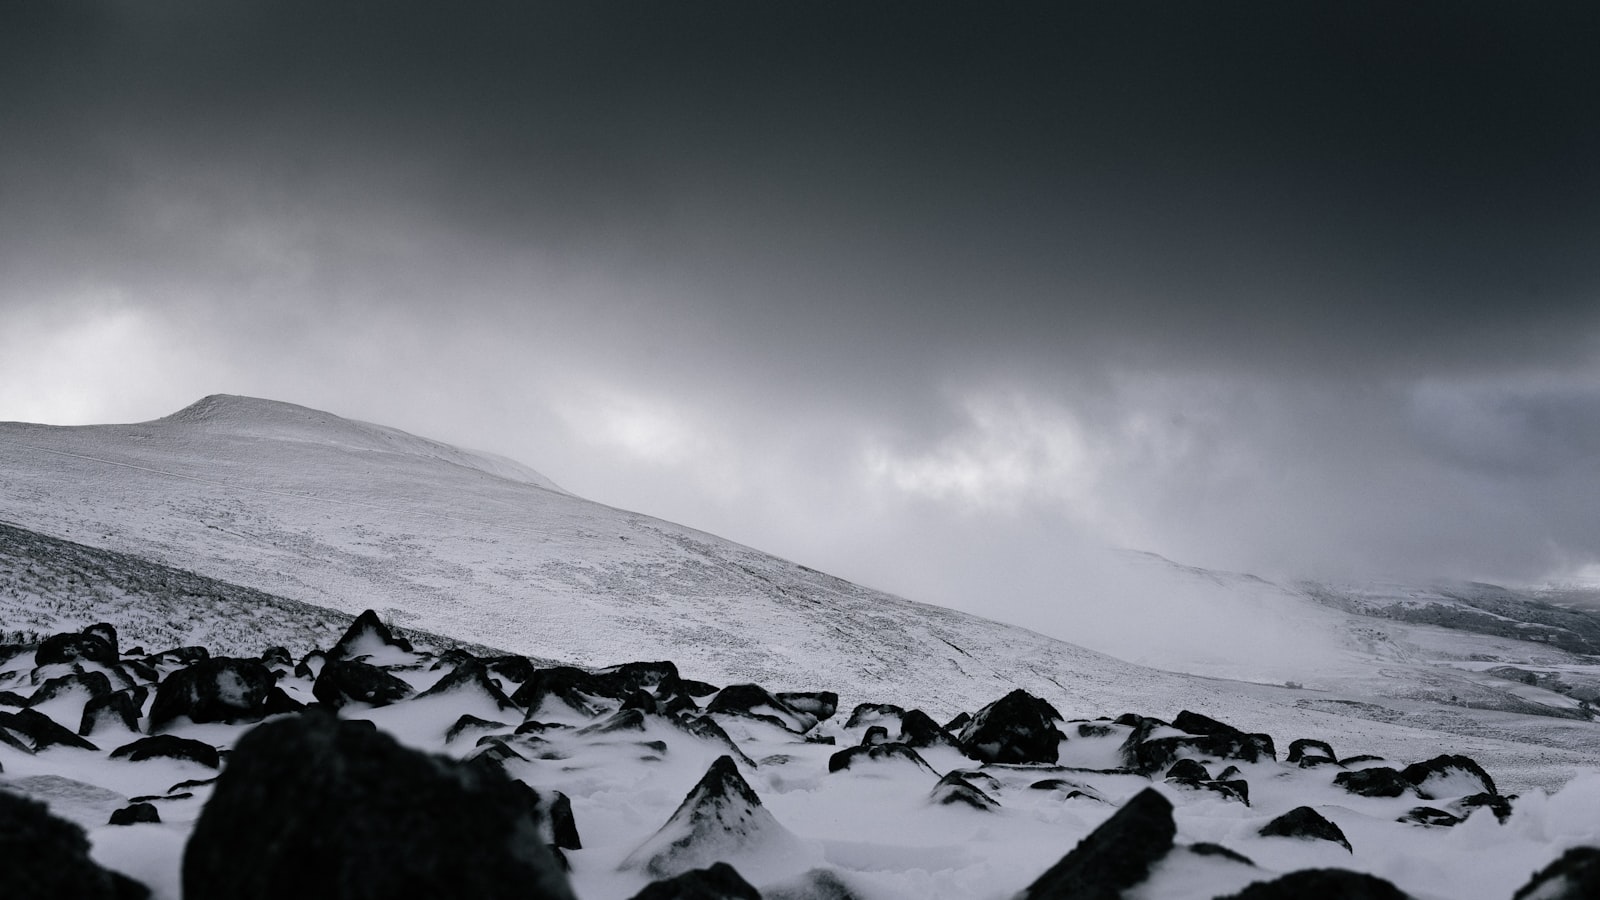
(248, 519)
(642, 776)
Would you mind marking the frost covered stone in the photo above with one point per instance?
(166, 746)
(46, 856)
(1114, 857)
(213, 690)
(1312, 884)
(1305, 822)
(719, 881)
(1381, 781)
(720, 818)
(1574, 876)
(314, 807)
(1449, 776)
(367, 636)
(345, 681)
(1017, 728)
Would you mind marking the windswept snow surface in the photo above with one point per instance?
(322, 510)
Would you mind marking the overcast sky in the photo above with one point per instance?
(928, 297)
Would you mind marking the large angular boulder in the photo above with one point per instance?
(344, 681)
(1449, 776)
(213, 690)
(119, 709)
(31, 731)
(1379, 781)
(88, 685)
(869, 754)
(471, 677)
(47, 857)
(167, 746)
(721, 818)
(314, 807)
(753, 700)
(368, 636)
(1114, 857)
(577, 690)
(1017, 728)
(75, 647)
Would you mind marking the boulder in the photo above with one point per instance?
(919, 730)
(1304, 750)
(167, 746)
(117, 709)
(1315, 884)
(1428, 815)
(90, 684)
(1188, 770)
(874, 714)
(1380, 781)
(471, 676)
(820, 705)
(75, 647)
(1017, 728)
(720, 818)
(31, 731)
(578, 690)
(135, 814)
(1449, 776)
(1114, 857)
(1305, 823)
(719, 881)
(107, 632)
(753, 700)
(954, 789)
(48, 857)
(213, 690)
(344, 681)
(314, 807)
(367, 636)
(876, 754)
(1498, 804)
(1575, 875)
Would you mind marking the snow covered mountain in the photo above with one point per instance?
(320, 510)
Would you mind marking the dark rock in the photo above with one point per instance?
(137, 670)
(107, 632)
(178, 656)
(167, 746)
(182, 786)
(623, 720)
(1360, 758)
(1195, 723)
(213, 690)
(95, 684)
(70, 648)
(919, 730)
(718, 882)
(874, 713)
(1304, 748)
(469, 676)
(511, 668)
(1322, 884)
(48, 857)
(1499, 804)
(563, 827)
(279, 702)
(1208, 849)
(1093, 730)
(753, 700)
(364, 635)
(954, 788)
(1381, 781)
(1428, 815)
(720, 815)
(135, 814)
(1188, 770)
(820, 705)
(577, 689)
(1017, 728)
(877, 753)
(1235, 789)
(1305, 822)
(1429, 776)
(1574, 876)
(277, 656)
(314, 807)
(643, 676)
(31, 731)
(471, 722)
(706, 728)
(1229, 774)
(817, 884)
(877, 734)
(310, 665)
(1114, 857)
(17, 701)
(349, 681)
(698, 688)
(955, 725)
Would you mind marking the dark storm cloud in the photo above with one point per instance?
(1264, 284)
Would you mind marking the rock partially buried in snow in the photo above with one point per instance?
(1449, 776)
(1322, 884)
(345, 681)
(719, 881)
(1573, 876)
(721, 818)
(367, 636)
(213, 690)
(1114, 857)
(47, 857)
(1305, 822)
(1381, 781)
(314, 807)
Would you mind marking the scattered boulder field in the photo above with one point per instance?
(378, 769)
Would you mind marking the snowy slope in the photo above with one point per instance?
(321, 510)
